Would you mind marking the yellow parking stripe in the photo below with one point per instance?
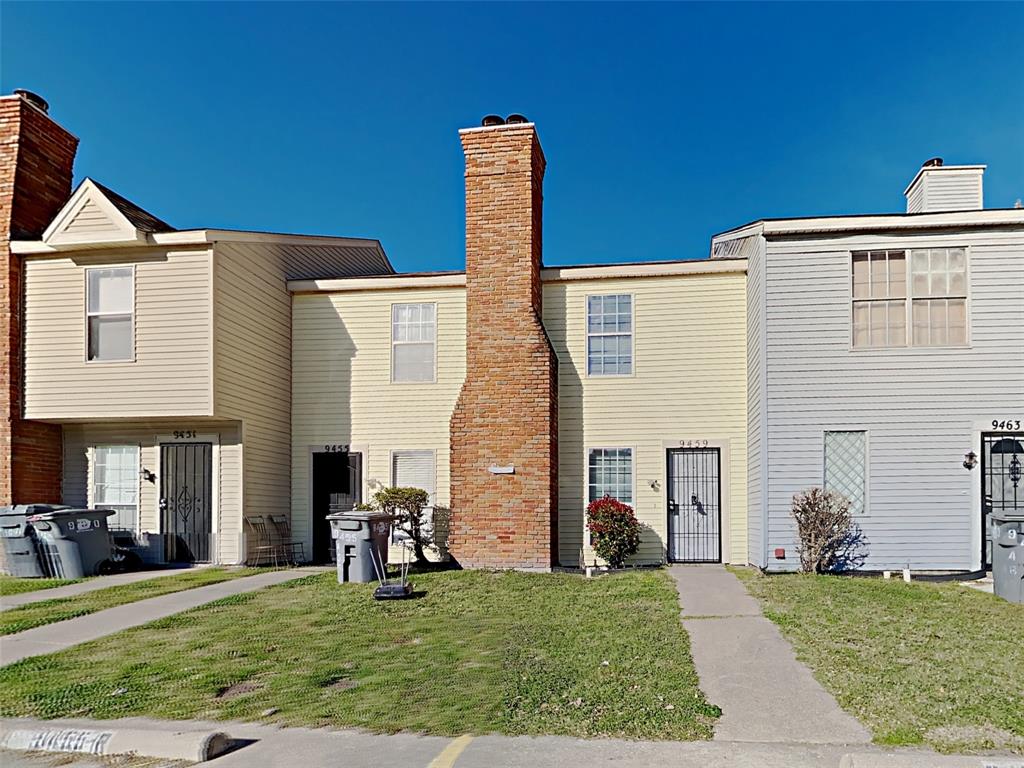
(451, 753)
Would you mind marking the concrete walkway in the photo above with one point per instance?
(89, 585)
(267, 746)
(749, 670)
(64, 634)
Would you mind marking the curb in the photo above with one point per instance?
(891, 760)
(195, 746)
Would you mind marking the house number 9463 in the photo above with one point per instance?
(1012, 425)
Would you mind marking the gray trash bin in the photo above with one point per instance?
(1008, 556)
(361, 544)
(73, 542)
(19, 555)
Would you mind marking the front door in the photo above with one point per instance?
(1002, 487)
(186, 501)
(694, 505)
(337, 480)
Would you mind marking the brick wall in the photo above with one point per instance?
(507, 410)
(36, 158)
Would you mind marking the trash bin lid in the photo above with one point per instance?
(31, 509)
(364, 517)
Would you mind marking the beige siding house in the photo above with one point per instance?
(166, 357)
(685, 395)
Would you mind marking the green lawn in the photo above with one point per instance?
(11, 585)
(938, 664)
(477, 652)
(49, 611)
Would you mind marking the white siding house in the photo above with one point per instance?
(885, 352)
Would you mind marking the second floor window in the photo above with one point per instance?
(110, 302)
(413, 339)
(610, 335)
(924, 289)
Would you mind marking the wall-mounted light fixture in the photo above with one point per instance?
(970, 460)
(1014, 469)
(148, 476)
(655, 485)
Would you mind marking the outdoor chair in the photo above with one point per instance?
(295, 551)
(266, 546)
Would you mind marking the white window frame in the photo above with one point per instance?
(85, 351)
(909, 299)
(586, 464)
(589, 335)
(433, 454)
(867, 461)
(92, 501)
(391, 335)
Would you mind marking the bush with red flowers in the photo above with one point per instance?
(614, 530)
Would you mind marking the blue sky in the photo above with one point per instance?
(662, 123)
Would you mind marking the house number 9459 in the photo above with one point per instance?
(1006, 424)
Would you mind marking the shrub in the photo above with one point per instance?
(614, 530)
(407, 504)
(830, 540)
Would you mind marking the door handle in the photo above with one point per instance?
(163, 505)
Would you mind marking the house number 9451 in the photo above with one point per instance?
(184, 434)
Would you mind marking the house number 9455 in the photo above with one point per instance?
(1006, 424)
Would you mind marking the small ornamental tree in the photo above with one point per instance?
(614, 530)
(407, 504)
(829, 537)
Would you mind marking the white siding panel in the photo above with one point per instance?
(342, 391)
(689, 384)
(79, 437)
(923, 408)
(171, 372)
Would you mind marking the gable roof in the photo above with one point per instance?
(96, 216)
(144, 221)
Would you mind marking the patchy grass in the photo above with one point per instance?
(476, 652)
(917, 663)
(12, 585)
(49, 611)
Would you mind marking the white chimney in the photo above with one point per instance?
(938, 187)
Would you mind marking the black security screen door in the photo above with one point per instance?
(337, 479)
(694, 506)
(186, 500)
(1002, 485)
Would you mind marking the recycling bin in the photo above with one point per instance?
(73, 543)
(360, 544)
(19, 555)
(1008, 556)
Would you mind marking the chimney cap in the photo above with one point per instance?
(935, 162)
(492, 120)
(33, 98)
(516, 119)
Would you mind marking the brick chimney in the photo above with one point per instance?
(504, 475)
(36, 159)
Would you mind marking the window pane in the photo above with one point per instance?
(414, 469)
(938, 283)
(846, 466)
(897, 275)
(957, 309)
(861, 285)
(879, 275)
(610, 473)
(115, 481)
(919, 261)
(897, 323)
(957, 260)
(937, 322)
(879, 323)
(413, 362)
(110, 337)
(920, 320)
(861, 319)
(957, 284)
(110, 290)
